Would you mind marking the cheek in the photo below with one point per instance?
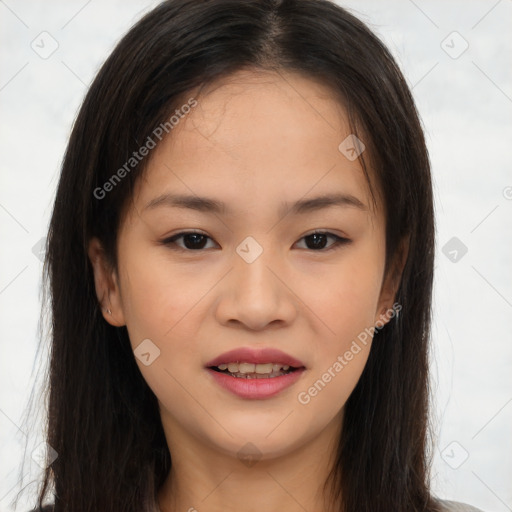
(163, 303)
(345, 297)
(324, 395)
(160, 303)
(341, 355)
(157, 295)
(346, 302)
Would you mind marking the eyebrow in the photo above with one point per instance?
(210, 205)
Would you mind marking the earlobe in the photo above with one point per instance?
(106, 286)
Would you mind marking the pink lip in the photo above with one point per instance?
(256, 388)
(253, 355)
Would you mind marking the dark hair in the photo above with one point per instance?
(103, 419)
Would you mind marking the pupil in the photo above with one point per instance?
(316, 245)
(194, 245)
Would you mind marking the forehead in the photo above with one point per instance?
(256, 138)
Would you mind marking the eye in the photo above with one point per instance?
(193, 240)
(316, 241)
(196, 241)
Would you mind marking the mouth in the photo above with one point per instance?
(252, 360)
(255, 373)
(246, 370)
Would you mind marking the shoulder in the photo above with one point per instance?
(456, 506)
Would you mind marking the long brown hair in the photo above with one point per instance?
(103, 419)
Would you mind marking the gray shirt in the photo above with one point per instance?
(455, 506)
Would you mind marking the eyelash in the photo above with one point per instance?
(170, 242)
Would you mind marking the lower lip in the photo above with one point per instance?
(256, 388)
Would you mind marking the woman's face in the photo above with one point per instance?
(255, 277)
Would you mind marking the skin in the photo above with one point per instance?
(253, 141)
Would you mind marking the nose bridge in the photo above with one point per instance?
(255, 296)
(251, 267)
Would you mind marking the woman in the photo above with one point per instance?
(240, 262)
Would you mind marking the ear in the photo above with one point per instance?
(106, 284)
(391, 284)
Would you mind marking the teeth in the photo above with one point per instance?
(260, 368)
(246, 368)
(264, 368)
(233, 367)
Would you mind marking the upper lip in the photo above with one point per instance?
(256, 356)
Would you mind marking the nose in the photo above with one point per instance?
(256, 294)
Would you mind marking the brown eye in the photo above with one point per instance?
(317, 241)
(192, 241)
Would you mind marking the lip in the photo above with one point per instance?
(256, 356)
(256, 388)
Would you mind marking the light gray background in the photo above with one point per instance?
(466, 106)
